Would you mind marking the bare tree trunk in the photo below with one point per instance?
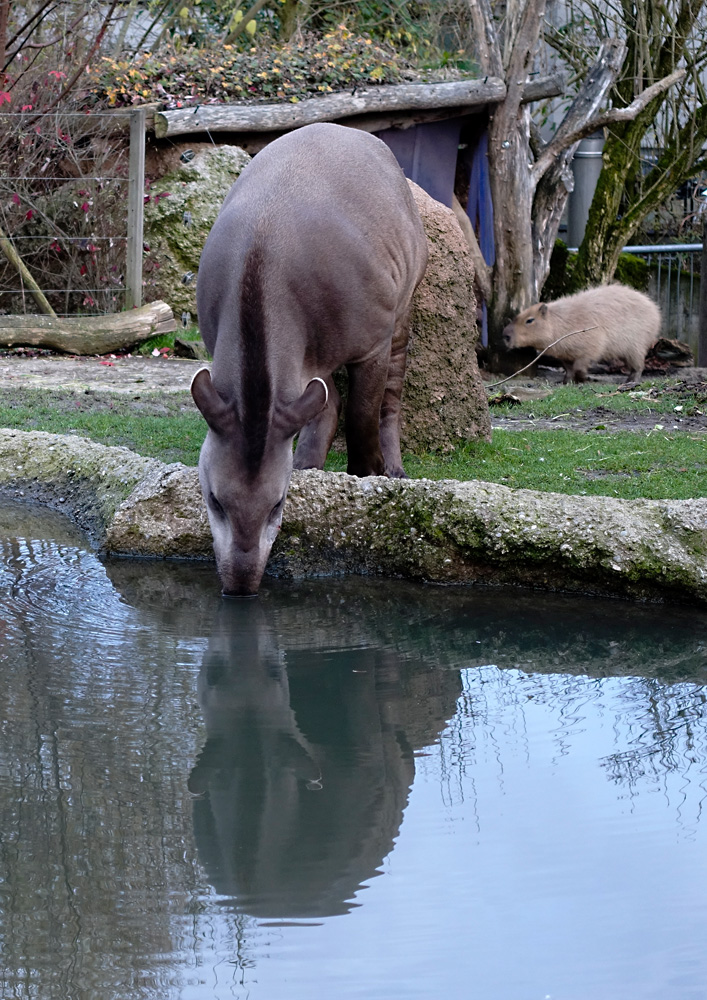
(510, 180)
(556, 183)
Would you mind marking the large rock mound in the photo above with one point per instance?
(444, 402)
(179, 213)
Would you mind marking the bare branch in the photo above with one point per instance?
(489, 50)
(245, 20)
(14, 258)
(82, 68)
(482, 272)
(610, 117)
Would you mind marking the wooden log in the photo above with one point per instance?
(88, 334)
(284, 116)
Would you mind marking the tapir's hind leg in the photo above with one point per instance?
(390, 407)
(315, 437)
(367, 382)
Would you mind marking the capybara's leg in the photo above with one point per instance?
(367, 382)
(315, 437)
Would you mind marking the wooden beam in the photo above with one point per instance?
(465, 94)
(136, 200)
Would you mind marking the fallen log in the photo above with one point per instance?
(333, 107)
(88, 334)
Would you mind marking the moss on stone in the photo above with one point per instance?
(181, 210)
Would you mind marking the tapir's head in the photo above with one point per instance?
(244, 481)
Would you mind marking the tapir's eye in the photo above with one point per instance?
(216, 506)
(529, 320)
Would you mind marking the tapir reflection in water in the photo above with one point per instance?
(311, 265)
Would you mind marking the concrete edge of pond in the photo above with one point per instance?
(334, 524)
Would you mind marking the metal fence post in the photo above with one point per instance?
(702, 334)
(136, 189)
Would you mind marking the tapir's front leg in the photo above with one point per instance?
(367, 381)
(315, 438)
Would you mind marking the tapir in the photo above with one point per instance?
(311, 264)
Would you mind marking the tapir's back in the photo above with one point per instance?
(336, 230)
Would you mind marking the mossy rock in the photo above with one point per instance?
(179, 214)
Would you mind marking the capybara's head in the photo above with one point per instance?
(522, 331)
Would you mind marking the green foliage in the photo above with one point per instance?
(338, 60)
(559, 279)
(563, 279)
(632, 271)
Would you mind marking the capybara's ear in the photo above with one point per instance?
(543, 310)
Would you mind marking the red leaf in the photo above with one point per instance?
(16, 199)
(85, 207)
(4, 96)
(83, 269)
(29, 215)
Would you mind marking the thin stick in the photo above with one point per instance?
(14, 258)
(492, 385)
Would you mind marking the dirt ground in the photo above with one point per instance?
(681, 387)
(161, 385)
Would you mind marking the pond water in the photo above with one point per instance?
(349, 789)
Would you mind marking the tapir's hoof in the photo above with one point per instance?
(398, 473)
(239, 594)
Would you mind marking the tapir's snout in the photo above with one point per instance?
(241, 572)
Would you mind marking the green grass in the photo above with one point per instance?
(652, 397)
(167, 339)
(627, 464)
(171, 438)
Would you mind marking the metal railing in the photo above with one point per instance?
(674, 283)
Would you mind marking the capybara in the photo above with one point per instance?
(612, 321)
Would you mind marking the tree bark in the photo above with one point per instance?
(510, 181)
(623, 196)
(88, 334)
(552, 171)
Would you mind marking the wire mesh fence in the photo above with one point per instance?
(64, 181)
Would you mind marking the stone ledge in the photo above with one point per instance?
(335, 524)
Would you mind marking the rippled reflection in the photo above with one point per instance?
(198, 797)
(308, 759)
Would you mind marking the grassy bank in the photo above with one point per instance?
(642, 463)
(656, 398)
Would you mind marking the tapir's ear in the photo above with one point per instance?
(315, 397)
(543, 310)
(220, 417)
